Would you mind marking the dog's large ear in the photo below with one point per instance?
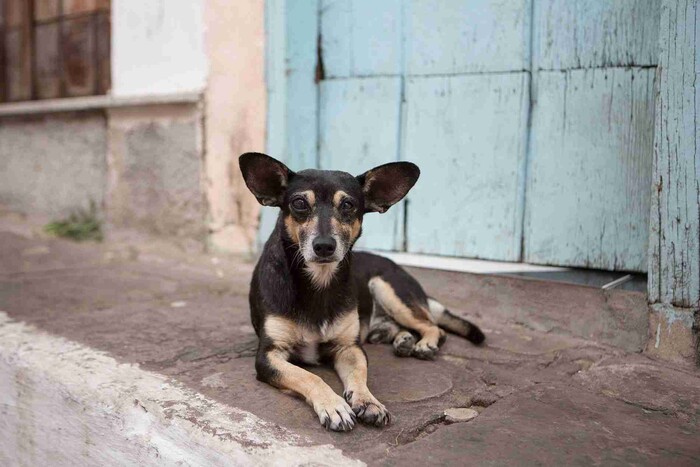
(266, 178)
(387, 184)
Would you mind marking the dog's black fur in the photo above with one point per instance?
(312, 298)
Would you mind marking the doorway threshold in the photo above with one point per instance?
(606, 280)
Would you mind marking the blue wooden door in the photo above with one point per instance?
(531, 120)
(360, 99)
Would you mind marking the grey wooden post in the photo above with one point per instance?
(674, 241)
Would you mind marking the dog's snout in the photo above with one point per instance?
(324, 246)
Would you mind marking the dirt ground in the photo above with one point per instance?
(560, 380)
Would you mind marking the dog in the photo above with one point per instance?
(312, 300)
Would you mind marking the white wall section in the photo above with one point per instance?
(158, 47)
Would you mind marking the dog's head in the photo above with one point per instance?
(323, 209)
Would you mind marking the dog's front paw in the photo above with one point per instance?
(368, 409)
(334, 413)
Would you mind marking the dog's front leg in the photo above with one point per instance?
(351, 365)
(333, 412)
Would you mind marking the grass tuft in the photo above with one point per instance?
(81, 225)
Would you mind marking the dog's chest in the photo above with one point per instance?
(307, 347)
(342, 331)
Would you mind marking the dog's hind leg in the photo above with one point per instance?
(382, 328)
(413, 316)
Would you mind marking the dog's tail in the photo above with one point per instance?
(453, 323)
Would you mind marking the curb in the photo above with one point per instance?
(62, 403)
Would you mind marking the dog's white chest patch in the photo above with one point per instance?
(310, 340)
(342, 331)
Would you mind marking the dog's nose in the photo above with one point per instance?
(324, 246)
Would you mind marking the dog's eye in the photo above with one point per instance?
(300, 204)
(347, 206)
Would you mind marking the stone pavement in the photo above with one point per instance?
(560, 380)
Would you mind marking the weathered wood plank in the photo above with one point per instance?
(104, 52)
(45, 10)
(674, 254)
(589, 170)
(18, 62)
(448, 37)
(3, 72)
(17, 13)
(595, 33)
(467, 133)
(47, 71)
(361, 37)
(78, 56)
(359, 120)
(302, 92)
(292, 91)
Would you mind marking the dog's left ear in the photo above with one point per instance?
(387, 184)
(266, 178)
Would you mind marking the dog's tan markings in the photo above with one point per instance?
(283, 332)
(344, 330)
(349, 231)
(296, 230)
(415, 318)
(338, 198)
(310, 197)
(332, 411)
(355, 230)
(292, 228)
(351, 366)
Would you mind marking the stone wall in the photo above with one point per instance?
(155, 170)
(53, 164)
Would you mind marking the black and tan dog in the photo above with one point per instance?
(312, 300)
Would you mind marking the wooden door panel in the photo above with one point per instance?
(359, 129)
(361, 37)
(467, 36)
(467, 133)
(595, 33)
(589, 181)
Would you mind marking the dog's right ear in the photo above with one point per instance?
(266, 178)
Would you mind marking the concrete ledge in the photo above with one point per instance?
(472, 266)
(65, 404)
(94, 102)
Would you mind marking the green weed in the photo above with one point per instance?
(81, 225)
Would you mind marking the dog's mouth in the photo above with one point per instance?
(323, 260)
